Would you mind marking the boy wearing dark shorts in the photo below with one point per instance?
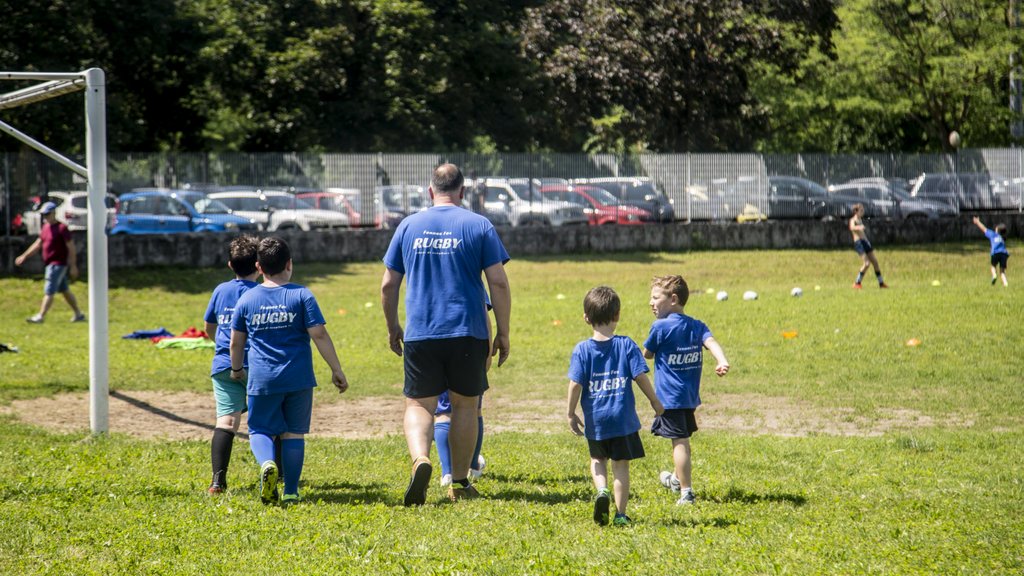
(278, 319)
(601, 374)
(998, 255)
(676, 343)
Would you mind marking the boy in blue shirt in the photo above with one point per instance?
(601, 372)
(277, 319)
(999, 254)
(229, 394)
(676, 342)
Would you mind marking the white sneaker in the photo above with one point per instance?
(686, 498)
(35, 319)
(446, 480)
(476, 473)
(669, 480)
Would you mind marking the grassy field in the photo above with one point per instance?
(932, 485)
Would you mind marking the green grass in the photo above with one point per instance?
(941, 499)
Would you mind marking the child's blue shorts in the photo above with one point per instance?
(275, 414)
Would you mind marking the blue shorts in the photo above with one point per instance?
(675, 423)
(56, 279)
(275, 414)
(456, 364)
(863, 247)
(229, 394)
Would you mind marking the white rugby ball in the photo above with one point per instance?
(723, 295)
(750, 295)
(796, 291)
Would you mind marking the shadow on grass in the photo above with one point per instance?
(352, 493)
(538, 480)
(737, 495)
(142, 405)
(538, 496)
(715, 522)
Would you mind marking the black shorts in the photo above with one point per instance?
(456, 364)
(619, 448)
(863, 247)
(675, 423)
(999, 259)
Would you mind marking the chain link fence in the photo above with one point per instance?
(695, 187)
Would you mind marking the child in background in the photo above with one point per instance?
(442, 423)
(601, 374)
(998, 255)
(676, 342)
(277, 319)
(228, 394)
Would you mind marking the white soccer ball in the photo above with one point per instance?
(723, 295)
(796, 291)
(750, 295)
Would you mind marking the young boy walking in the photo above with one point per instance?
(229, 394)
(277, 320)
(998, 255)
(676, 343)
(601, 372)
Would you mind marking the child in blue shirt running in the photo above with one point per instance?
(676, 342)
(999, 254)
(601, 374)
(277, 319)
(229, 394)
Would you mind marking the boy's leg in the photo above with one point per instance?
(220, 450)
(599, 472)
(681, 458)
(444, 454)
(620, 469)
(293, 455)
(474, 463)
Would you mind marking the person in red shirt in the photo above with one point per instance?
(60, 259)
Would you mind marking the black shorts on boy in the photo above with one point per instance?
(455, 364)
(999, 259)
(675, 423)
(628, 447)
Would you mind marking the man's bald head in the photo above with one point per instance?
(447, 180)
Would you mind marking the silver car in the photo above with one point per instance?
(279, 210)
(887, 198)
(522, 201)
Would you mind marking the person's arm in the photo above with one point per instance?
(325, 346)
(644, 383)
(389, 290)
(722, 368)
(32, 249)
(977, 222)
(211, 331)
(648, 354)
(501, 302)
(575, 424)
(490, 344)
(237, 349)
(73, 259)
(856, 225)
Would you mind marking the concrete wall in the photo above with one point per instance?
(369, 245)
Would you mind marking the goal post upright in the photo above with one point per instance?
(95, 172)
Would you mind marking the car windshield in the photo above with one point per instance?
(901, 194)
(526, 192)
(400, 197)
(208, 206)
(602, 196)
(287, 202)
(642, 192)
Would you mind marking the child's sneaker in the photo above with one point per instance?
(622, 520)
(446, 480)
(78, 317)
(268, 482)
(669, 480)
(458, 492)
(601, 505)
(478, 471)
(883, 285)
(686, 498)
(34, 319)
(993, 280)
(857, 286)
(416, 493)
(216, 489)
(290, 499)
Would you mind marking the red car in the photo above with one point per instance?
(600, 205)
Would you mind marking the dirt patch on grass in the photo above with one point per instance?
(190, 416)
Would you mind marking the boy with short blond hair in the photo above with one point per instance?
(601, 372)
(676, 343)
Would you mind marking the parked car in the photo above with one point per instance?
(796, 197)
(342, 200)
(520, 199)
(890, 200)
(969, 190)
(600, 205)
(639, 192)
(279, 210)
(157, 211)
(403, 198)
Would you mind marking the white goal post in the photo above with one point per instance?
(95, 172)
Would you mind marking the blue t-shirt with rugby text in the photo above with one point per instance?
(219, 311)
(277, 322)
(442, 252)
(998, 244)
(677, 342)
(606, 370)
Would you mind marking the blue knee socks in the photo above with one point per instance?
(262, 447)
(444, 452)
(293, 454)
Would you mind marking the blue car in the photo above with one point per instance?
(160, 211)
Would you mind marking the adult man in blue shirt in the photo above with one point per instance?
(442, 251)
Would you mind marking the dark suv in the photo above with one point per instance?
(969, 190)
(795, 197)
(639, 192)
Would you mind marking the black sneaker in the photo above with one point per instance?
(601, 505)
(416, 493)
